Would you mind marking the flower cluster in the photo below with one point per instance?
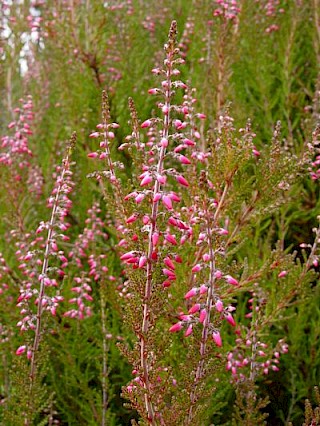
(252, 357)
(228, 9)
(14, 149)
(39, 258)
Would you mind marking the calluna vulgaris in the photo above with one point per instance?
(172, 257)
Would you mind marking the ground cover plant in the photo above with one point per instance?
(159, 201)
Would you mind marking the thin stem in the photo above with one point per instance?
(210, 224)
(148, 284)
(104, 361)
(45, 265)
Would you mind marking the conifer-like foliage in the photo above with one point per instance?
(162, 266)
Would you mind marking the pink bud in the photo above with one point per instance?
(94, 135)
(161, 179)
(195, 308)
(146, 180)
(21, 350)
(155, 238)
(164, 142)
(203, 289)
(188, 331)
(142, 261)
(174, 197)
(127, 256)
(282, 274)
(171, 275)
(222, 231)
(146, 123)
(171, 239)
(184, 160)
(202, 316)
(157, 197)
(196, 268)
(189, 142)
(230, 320)
(168, 262)
(217, 338)
(153, 91)
(145, 219)
(132, 218)
(191, 293)
(165, 109)
(182, 180)
(167, 202)
(201, 116)
(218, 274)
(93, 155)
(219, 306)
(231, 280)
(139, 198)
(176, 327)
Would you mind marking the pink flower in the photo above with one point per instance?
(155, 238)
(132, 218)
(164, 142)
(146, 123)
(184, 160)
(218, 274)
(146, 180)
(127, 256)
(282, 274)
(21, 350)
(217, 338)
(171, 239)
(139, 198)
(202, 316)
(219, 306)
(191, 293)
(230, 320)
(182, 180)
(201, 116)
(196, 268)
(157, 197)
(188, 331)
(176, 327)
(142, 261)
(231, 280)
(94, 135)
(168, 262)
(195, 308)
(171, 275)
(167, 202)
(203, 289)
(153, 91)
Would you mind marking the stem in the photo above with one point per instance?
(148, 284)
(45, 265)
(208, 306)
(104, 361)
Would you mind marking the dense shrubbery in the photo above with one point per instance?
(160, 267)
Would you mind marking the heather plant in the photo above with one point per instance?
(181, 287)
(209, 226)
